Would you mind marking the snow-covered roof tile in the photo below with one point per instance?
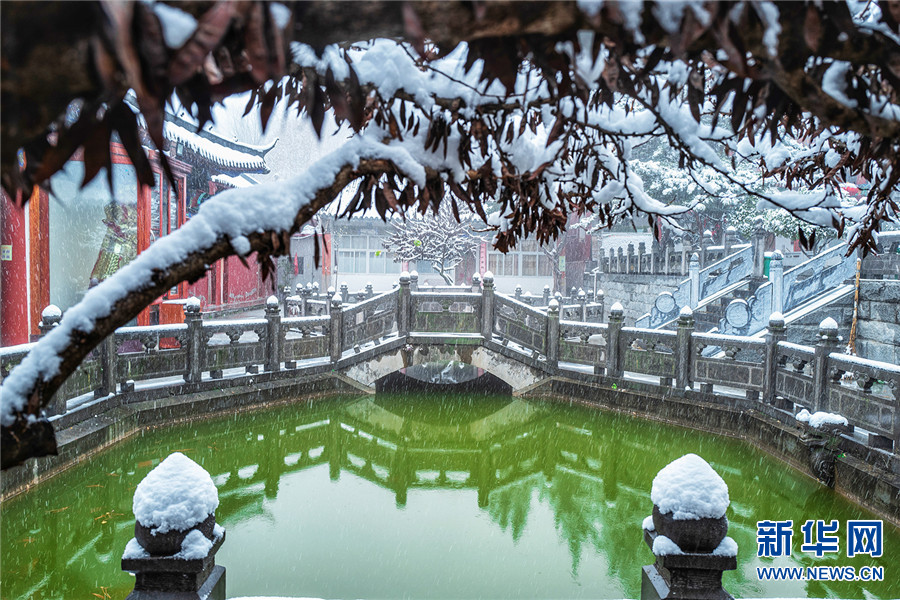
(230, 155)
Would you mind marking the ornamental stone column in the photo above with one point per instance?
(776, 277)
(552, 340)
(193, 318)
(273, 334)
(487, 308)
(695, 280)
(614, 330)
(173, 552)
(687, 534)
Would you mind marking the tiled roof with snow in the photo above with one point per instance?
(238, 181)
(231, 156)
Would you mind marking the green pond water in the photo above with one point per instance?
(421, 497)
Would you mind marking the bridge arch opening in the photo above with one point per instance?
(443, 377)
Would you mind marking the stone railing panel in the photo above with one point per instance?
(711, 280)
(793, 377)
(304, 337)
(517, 322)
(867, 393)
(583, 343)
(738, 362)
(370, 320)
(445, 313)
(232, 344)
(151, 352)
(648, 351)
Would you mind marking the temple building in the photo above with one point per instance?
(66, 240)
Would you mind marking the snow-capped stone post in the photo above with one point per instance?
(551, 343)
(305, 292)
(685, 247)
(695, 280)
(776, 333)
(545, 300)
(345, 293)
(581, 298)
(108, 365)
(600, 298)
(476, 283)
(403, 305)
(828, 342)
(329, 296)
(683, 352)
(273, 334)
(176, 538)
(517, 294)
(487, 307)
(193, 318)
(50, 318)
(629, 265)
(727, 238)
(687, 533)
(642, 250)
(614, 330)
(370, 290)
(758, 244)
(414, 281)
(337, 329)
(620, 261)
(776, 277)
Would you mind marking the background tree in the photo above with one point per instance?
(443, 239)
(535, 105)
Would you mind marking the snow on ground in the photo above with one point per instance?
(176, 495)
(690, 489)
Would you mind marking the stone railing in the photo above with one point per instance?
(701, 285)
(668, 260)
(769, 375)
(788, 290)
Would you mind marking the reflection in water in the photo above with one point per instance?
(416, 496)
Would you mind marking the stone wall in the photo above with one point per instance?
(878, 322)
(805, 329)
(878, 327)
(637, 293)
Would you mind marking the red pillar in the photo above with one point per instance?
(13, 273)
(39, 258)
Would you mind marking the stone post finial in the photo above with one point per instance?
(172, 554)
(50, 318)
(687, 533)
(191, 307)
